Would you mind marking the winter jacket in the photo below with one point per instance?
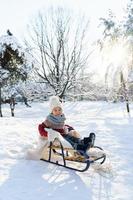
(43, 132)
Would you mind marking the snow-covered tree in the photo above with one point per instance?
(116, 56)
(60, 47)
(32, 90)
(14, 62)
(128, 30)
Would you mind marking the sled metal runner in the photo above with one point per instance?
(67, 159)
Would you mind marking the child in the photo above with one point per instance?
(56, 121)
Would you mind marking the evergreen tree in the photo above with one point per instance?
(14, 62)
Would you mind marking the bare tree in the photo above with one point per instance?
(60, 48)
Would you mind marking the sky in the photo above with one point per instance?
(16, 14)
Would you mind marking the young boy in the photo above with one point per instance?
(56, 121)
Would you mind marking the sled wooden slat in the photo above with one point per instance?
(75, 158)
(65, 148)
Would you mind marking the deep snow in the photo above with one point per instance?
(22, 179)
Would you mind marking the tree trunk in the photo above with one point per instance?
(12, 106)
(125, 92)
(0, 103)
(127, 104)
(25, 101)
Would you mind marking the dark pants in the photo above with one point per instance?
(78, 144)
(72, 140)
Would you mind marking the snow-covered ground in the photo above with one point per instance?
(22, 179)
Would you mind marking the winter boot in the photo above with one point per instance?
(89, 140)
(86, 140)
(92, 138)
(81, 149)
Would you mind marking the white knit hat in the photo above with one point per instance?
(54, 101)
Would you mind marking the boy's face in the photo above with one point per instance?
(57, 111)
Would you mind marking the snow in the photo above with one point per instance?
(22, 179)
(130, 77)
(9, 40)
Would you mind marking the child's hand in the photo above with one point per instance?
(65, 130)
(43, 138)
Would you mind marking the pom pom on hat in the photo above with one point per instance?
(54, 102)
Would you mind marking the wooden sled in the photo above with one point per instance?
(61, 153)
